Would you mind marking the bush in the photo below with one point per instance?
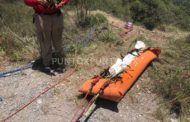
(149, 13)
(98, 19)
(168, 28)
(108, 37)
(93, 20)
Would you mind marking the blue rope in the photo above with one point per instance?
(15, 71)
(11, 74)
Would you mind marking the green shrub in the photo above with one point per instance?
(149, 13)
(98, 19)
(108, 37)
(93, 20)
(168, 28)
(73, 48)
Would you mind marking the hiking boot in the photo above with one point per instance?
(60, 70)
(58, 63)
(47, 70)
(38, 64)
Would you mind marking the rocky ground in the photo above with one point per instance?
(60, 103)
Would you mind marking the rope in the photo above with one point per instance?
(93, 83)
(92, 101)
(37, 96)
(95, 80)
(77, 112)
(13, 72)
(86, 107)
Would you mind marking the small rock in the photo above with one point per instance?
(170, 119)
(149, 92)
(138, 87)
(174, 120)
(174, 115)
(39, 101)
(188, 119)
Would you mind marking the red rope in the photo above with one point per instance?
(77, 117)
(35, 98)
(42, 93)
(93, 83)
(87, 105)
(96, 79)
(77, 112)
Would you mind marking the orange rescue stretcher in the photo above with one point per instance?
(117, 89)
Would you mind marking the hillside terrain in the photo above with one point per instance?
(141, 103)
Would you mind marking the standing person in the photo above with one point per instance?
(48, 20)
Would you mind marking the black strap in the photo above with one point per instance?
(58, 13)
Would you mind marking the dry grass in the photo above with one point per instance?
(171, 79)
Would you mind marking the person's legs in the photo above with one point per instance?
(43, 25)
(57, 30)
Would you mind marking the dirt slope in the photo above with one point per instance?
(59, 104)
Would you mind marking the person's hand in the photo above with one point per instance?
(44, 2)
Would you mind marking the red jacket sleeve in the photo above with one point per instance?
(31, 2)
